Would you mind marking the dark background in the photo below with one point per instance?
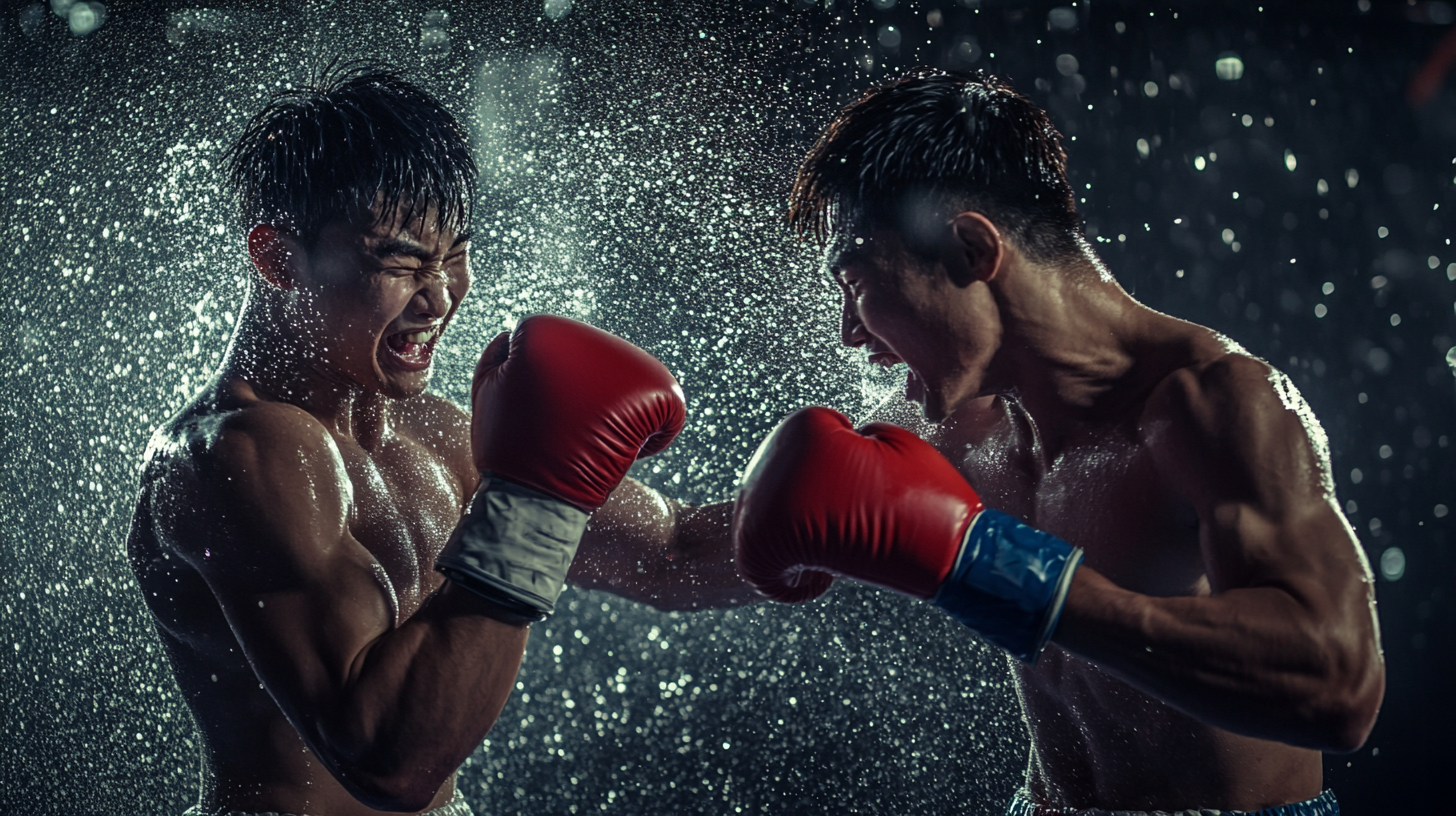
(637, 156)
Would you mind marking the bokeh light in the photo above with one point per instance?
(636, 158)
(1392, 564)
(1229, 67)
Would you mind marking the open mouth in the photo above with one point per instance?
(914, 388)
(914, 385)
(413, 348)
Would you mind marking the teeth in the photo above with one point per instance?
(418, 337)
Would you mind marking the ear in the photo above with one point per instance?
(271, 255)
(974, 249)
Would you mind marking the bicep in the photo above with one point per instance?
(1246, 452)
(264, 521)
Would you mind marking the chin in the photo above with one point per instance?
(934, 410)
(407, 390)
(939, 405)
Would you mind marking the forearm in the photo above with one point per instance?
(695, 570)
(654, 550)
(1255, 661)
(419, 699)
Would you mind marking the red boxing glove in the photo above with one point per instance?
(560, 412)
(565, 408)
(881, 505)
(821, 499)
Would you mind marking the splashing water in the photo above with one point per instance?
(636, 158)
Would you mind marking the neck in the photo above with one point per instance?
(281, 364)
(1072, 340)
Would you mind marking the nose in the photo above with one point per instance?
(851, 331)
(433, 299)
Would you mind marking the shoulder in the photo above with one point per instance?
(1205, 392)
(214, 474)
(1234, 418)
(261, 433)
(1230, 393)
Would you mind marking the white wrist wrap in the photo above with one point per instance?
(514, 546)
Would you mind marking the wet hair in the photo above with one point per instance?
(358, 136)
(933, 143)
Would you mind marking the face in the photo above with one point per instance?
(905, 309)
(378, 298)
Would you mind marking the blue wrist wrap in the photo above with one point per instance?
(1009, 583)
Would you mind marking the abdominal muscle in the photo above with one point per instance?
(1098, 742)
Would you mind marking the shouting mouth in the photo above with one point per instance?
(412, 349)
(914, 386)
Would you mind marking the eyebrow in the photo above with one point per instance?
(402, 243)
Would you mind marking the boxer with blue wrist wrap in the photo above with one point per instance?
(1191, 613)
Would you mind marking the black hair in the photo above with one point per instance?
(935, 142)
(358, 136)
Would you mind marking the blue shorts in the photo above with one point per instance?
(1322, 805)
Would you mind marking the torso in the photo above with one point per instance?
(408, 490)
(1097, 741)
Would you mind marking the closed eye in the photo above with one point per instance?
(395, 248)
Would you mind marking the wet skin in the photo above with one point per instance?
(289, 519)
(1221, 632)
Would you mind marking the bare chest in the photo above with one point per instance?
(406, 502)
(1101, 492)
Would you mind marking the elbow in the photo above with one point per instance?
(404, 791)
(1347, 712)
(385, 779)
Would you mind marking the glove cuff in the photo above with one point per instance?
(1009, 583)
(514, 546)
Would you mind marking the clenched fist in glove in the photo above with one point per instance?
(560, 411)
(881, 505)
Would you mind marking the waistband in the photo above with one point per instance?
(1322, 805)
(455, 807)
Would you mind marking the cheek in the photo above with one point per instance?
(886, 312)
(390, 296)
(459, 287)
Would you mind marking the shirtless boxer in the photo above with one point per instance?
(289, 532)
(1193, 616)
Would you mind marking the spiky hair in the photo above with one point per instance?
(932, 141)
(357, 139)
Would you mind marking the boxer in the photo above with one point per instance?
(342, 567)
(1136, 510)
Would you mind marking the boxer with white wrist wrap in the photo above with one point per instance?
(561, 410)
(881, 505)
(290, 513)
